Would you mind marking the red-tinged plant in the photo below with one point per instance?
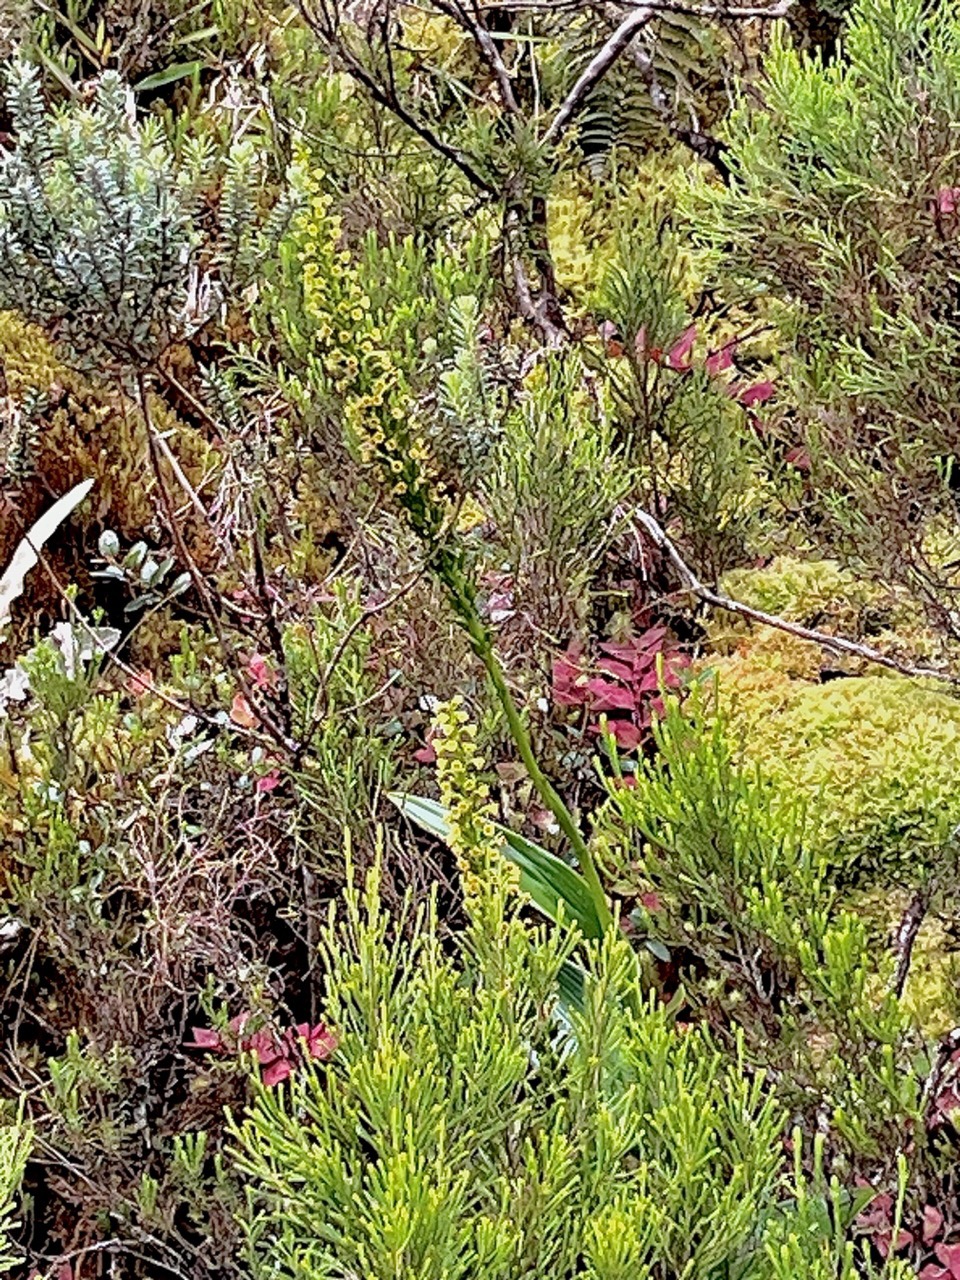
(622, 686)
(876, 1221)
(261, 673)
(277, 1053)
(947, 1266)
(721, 360)
(948, 200)
(680, 355)
(758, 393)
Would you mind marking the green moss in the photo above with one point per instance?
(876, 757)
(805, 591)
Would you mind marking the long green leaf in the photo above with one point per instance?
(555, 888)
(178, 71)
(546, 880)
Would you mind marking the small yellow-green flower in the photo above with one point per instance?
(486, 875)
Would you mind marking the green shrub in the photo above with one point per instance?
(750, 911)
(840, 224)
(876, 759)
(464, 1129)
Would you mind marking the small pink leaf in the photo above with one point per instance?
(205, 1038)
(261, 673)
(720, 361)
(756, 394)
(626, 734)
(932, 1223)
(798, 457)
(242, 714)
(606, 696)
(320, 1042)
(619, 670)
(949, 1255)
(277, 1072)
(679, 356)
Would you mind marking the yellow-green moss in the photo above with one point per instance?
(877, 757)
(94, 432)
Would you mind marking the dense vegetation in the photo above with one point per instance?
(479, 640)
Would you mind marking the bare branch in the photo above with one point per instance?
(355, 68)
(595, 70)
(534, 310)
(488, 48)
(913, 918)
(837, 643)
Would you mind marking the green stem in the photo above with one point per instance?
(483, 647)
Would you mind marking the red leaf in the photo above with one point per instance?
(261, 673)
(650, 900)
(884, 1242)
(756, 394)
(605, 696)
(619, 670)
(568, 681)
(277, 1072)
(649, 682)
(264, 1045)
(932, 1223)
(720, 361)
(425, 755)
(626, 734)
(320, 1041)
(242, 714)
(948, 199)
(949, 1255)
(679, 356)
(798, 457)
(269, 782)
(205, 1038)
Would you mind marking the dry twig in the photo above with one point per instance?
(838, 644)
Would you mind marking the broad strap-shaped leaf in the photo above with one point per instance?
(28, 551)
(178, 71)
(552, 886)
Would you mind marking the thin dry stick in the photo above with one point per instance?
(263, 715)
(837, 643)
(913, 918)
(594, 72)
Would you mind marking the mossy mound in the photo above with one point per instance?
(876, 756)
(57, 428)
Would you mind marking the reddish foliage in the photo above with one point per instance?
(623, 685)
(948, 1257)
(721, 360)
(680, 355)
(948, 200)
(877, 1221)
(278, 1053)
(241, 713)
(758, 393)
(262, 675)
